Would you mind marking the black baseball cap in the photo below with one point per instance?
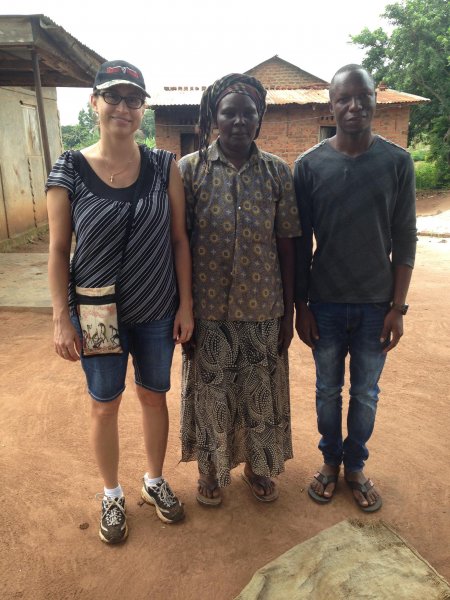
(115, 72)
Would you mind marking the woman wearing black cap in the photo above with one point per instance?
(128, 286)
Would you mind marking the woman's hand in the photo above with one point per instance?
(67, 341)
(286, 333)
(184, 320)
(183, 325)
(189, 347)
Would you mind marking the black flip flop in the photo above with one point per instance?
(324, 480)
(364, 488)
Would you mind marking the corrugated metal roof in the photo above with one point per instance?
(63, 60)
(176, 96)
(186, 96)
(387, 96)
(306, 96)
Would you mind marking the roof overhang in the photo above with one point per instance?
(63, 60)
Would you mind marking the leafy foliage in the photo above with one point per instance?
(415, 58)
(148, 124)
(419, 152)
(427, 176)
(87, 133)
(146, 135)
(84, 134)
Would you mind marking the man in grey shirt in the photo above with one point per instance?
(356, 197)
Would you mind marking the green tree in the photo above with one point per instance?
(87, 119)
(71, 136)
(147, 131)
(84, 134)
(148, 124)
(415, 58)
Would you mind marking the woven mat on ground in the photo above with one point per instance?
(349, 561)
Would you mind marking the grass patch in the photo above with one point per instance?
(419, 152)
(427, 175)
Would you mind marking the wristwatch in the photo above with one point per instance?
(402, 308)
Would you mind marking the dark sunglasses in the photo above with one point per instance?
(115, 99)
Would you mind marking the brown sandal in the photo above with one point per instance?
(260, 480)
(210, 487)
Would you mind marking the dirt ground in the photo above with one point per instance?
(49, 546)
(431, 203)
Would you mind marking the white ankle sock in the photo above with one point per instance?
(113, 492)
(152, 481)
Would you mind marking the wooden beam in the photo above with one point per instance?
(49, 80)
(41, 111)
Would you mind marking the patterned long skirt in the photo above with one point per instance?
(235, 399)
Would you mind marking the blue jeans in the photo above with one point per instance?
(353, 329)
(150, 344)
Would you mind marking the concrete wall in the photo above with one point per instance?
(22, 167)
(287, 131)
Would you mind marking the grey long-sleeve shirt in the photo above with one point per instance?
(361, 212)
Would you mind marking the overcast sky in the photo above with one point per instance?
(194, 42)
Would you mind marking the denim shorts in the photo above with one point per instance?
(150, 344)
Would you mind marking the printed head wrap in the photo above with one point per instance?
(235, 83)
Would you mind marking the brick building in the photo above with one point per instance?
(297, 114)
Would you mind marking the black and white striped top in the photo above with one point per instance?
(99, 216)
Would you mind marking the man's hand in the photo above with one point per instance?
(306, 326)
(393, 326)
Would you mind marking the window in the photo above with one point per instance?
(326, 132)
(188, 143)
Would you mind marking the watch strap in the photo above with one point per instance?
(402, 308)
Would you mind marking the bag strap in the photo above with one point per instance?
(137, 190)
(133, 205)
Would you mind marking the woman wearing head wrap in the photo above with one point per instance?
(242, 218)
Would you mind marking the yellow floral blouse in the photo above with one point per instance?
(233, 220)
